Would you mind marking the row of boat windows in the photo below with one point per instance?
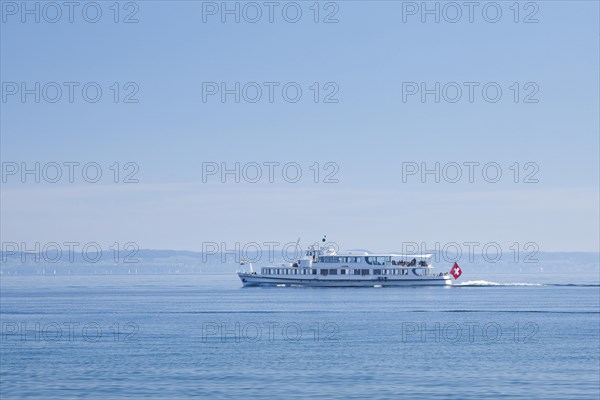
(333, 271)
(368, 260)
(381, 260)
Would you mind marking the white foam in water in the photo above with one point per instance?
(488, 283)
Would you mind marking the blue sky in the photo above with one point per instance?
(369, 133)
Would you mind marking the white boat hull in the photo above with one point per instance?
(249, 279)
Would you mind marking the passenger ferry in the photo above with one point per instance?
(323, 266)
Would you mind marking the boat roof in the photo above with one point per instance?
(406, 256)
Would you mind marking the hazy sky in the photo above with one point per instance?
(368, 126)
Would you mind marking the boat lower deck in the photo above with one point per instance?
(261, 280)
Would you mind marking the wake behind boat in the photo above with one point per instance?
(322, 266)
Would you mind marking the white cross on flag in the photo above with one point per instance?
(456, 271)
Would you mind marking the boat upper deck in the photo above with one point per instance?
(376, 259)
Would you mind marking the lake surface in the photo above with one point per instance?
(181, 336)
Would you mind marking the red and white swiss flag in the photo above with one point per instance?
(456, 271)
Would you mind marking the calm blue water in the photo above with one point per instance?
(177, 336)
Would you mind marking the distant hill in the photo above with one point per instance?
(191, 262)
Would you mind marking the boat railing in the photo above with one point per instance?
(423, 264)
